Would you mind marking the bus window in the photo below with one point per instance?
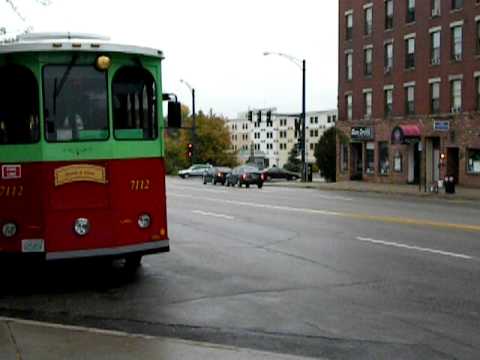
(75, 103)
(18, 106)
(134, 104)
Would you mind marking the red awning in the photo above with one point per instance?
(410, 130)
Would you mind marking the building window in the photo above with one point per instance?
(383, 162)
(349, 65)
(435, 48)
(457, 4)
(367, 104)
(312, 146)
(397, 162)
(349, 101)
(477, 37)
(457, 43)
(456, 96)
(410, 53)
(349, 33)
(388, 57)
(368, 61)
(436, 8)
(473, 161)
(368, 21)
(410, 11)
(369, 158)
(435, 98)
(410, 100)
(343, 158)
(388, 99)
(477, 83)
(388, 14)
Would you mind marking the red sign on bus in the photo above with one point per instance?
(11, 172)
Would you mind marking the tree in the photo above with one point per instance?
(212, 142)
(7, 34)
(325, 154)
(294, 163)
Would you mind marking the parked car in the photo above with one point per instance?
(216, 175)
(194, 170)
(279, 173)
(245, 175)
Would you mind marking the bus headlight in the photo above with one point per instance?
(82, 226)
(144, 221)
(9, 230)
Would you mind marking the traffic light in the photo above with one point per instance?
(269, 116)
(189, 150)
(297, 127)
(250, 115)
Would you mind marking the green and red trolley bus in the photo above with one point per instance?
(81, 148)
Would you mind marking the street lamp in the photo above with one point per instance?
(193, 116)
(301, 65)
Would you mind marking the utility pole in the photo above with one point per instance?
(302, 65)
(194, 132)
(304, 120)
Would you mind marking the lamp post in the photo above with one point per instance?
(301, 65)
(193, 118)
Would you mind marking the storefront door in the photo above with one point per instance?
(453, 163)
(414, 157)
(356, 149)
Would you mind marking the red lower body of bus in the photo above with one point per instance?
(44, 201)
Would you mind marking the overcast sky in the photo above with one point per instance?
(215, 45)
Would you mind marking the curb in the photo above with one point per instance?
(439, 196)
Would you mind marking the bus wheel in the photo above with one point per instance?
(133, 262)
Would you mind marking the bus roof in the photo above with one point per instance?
(62, 42)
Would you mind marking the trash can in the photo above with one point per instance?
(449, 185)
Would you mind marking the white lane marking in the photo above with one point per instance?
(265, 190)
(417, 248)
(256, 205)
(206, 213)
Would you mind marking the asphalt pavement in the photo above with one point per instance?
(293, 271)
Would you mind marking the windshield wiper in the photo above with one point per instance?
(63, 80)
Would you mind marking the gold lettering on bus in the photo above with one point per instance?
(75, 173)
(140, 185)
(11, 191)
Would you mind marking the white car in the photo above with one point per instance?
(194, 170)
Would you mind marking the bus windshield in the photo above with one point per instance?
(75, 103)
(18, 106)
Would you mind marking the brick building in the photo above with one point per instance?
(409, 91)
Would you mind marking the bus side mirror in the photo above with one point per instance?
(174, 115)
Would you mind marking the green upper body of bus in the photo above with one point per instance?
(71, 97)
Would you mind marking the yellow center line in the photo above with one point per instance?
(346, 215)
(409, 221)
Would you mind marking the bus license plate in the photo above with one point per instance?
(33, 245)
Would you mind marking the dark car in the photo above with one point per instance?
(216, 175)
(245, 175)
(279, 173)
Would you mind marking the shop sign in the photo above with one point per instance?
(362, 133)
(441, 125)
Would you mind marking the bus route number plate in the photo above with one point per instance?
(33, 245)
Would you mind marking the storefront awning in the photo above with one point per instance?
(402, 133)
(410, 131)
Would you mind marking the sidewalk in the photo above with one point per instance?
(30, 340)
(461, 193)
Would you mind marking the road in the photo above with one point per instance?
(299, 271)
